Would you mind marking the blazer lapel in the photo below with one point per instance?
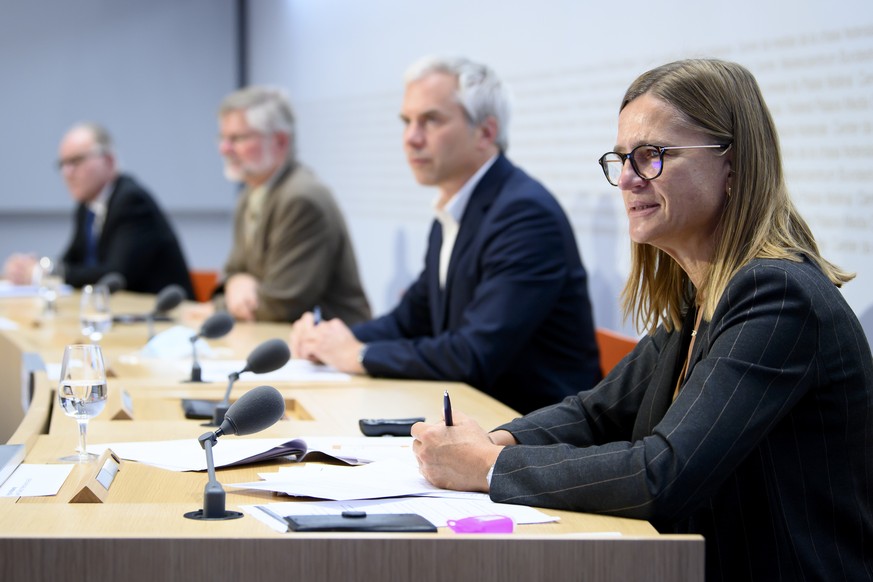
(109, 217)
(269, 212)
(660, 396)
(481, 199)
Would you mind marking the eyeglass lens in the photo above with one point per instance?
(645, 159)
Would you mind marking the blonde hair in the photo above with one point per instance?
(760, 221)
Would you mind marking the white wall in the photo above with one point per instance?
(569, 63)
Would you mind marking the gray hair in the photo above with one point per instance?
(101, 136)
(267, 110)
(480, 92)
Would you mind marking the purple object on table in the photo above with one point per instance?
(482, 524)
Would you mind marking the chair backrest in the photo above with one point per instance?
(613, 347)
(204, 283)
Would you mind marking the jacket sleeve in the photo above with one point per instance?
(519, 281)
(758, 360)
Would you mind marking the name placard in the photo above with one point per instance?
(95, 486)
(121, 407)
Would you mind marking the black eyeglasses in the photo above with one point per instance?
(647, 160)
(76, 161)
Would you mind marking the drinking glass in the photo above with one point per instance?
(82, 391)
(47, 277)
(95, 316)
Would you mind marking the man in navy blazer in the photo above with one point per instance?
(502, 303)
(118, 226)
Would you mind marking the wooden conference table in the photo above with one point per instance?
(139, 532)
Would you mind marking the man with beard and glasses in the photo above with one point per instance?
(291, 248)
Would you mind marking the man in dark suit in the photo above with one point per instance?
(502, 303)
(118, 226)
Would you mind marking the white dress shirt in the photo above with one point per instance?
(451, 214)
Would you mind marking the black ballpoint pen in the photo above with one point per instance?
(447, 408)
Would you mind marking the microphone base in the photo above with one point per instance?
(196, 372)
(199, 515)
(199, 409)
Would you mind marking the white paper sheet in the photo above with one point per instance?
(8, 290)
(31, 480)
(296, 370)
(386, 478)
(187, 454)
(175, 344)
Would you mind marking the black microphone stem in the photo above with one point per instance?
(231, 378)
(196, 372)
(221, 407)
(213, 493)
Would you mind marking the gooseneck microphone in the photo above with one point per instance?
(216, 326)
(267, 357)
(167, 298)
(113, 281)
(256, 410)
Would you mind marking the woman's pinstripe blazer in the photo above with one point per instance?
(767, 451)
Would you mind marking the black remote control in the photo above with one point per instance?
(387, 426)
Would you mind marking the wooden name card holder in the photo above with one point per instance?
(95, 485)
(120, 405)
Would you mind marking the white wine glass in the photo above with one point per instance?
(82, 391)
(95, 316)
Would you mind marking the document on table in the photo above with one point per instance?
(386, 478)
(296, 370)
(7, 324)
(8, 290)
(188, 455)
(31, 480)
(436, 511)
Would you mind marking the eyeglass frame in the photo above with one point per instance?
(76, 161)
(237, 138)
(660, 149)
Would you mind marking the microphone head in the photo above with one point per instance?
(267, 357)
(256, 410)
(217, 325)
(113, 281)
(168, 298)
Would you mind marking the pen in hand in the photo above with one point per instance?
(316, 315)
(447, 408)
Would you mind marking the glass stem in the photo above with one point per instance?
(83, 429)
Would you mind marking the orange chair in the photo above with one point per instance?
(204, 283)
(613, 347)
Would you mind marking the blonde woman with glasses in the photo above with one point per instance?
(746, 412)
